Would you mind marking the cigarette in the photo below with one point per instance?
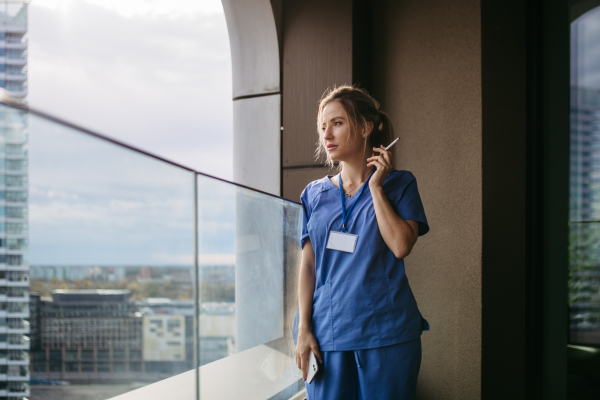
(391, 144)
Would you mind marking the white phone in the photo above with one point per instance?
(313, 367)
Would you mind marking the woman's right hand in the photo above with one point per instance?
(306, 344)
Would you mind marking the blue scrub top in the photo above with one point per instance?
(362, 300)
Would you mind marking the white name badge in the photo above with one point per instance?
(342, 241)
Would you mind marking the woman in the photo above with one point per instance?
(357, 312)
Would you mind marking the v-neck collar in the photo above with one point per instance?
(332, 186)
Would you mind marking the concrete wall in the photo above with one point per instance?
(254, 38)
(427, 76)
(426, 72)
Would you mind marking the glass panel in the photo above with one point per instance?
(97, 273)
(249, 254)
(584, 220)
(97, 232)
(584, 284)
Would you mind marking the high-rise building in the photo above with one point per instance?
(14, 282)
(584, 258)
(585, 154)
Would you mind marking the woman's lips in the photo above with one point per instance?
(331, 147)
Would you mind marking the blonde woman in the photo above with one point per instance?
(357, 313)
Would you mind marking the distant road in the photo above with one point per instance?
(81, 392)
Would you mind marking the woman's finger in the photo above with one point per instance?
(384, 153)
(381, 151)
(315, 349)
(377, 164)
(384, 159)
(376, 158)
(304, 368)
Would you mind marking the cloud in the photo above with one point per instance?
(92, 202)
(154, 74)
(130, 8)
(585, 51)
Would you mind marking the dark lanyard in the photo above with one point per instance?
(344, 213)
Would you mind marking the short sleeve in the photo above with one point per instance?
(305, 215)
(408, 203)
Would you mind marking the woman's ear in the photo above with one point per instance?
(367, 128)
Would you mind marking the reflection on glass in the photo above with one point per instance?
(249, 255)
(97, 277)
(584, 227)
(584, 218)
(110, 234)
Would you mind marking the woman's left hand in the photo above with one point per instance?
(383, 163)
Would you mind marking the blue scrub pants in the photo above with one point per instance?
(382, 373)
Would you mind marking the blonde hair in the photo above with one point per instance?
(361, 108)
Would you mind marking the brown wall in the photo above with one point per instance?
(448, 73)
(317, 53)
(427, 76)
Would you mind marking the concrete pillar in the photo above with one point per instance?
(257, 162)
(256, 93)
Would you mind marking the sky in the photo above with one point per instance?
(94, 203)
(585, 50)
(155, 74)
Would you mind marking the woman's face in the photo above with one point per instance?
(336, 135)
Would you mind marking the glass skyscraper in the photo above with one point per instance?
(14, 280)
(584, 218)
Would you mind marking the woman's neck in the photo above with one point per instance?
(355, 173)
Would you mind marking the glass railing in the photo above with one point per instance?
(17, 388)
(13, 135)
(18, 325)
(145, 278)
(15, 244)
(16, 196)
(16, 54)
(15, 39)
(15, 165)
(15, 150)
(18, 340)
(16, 355)
(16, 277)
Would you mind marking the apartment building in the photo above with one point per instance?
(14, 282)
(87, 331)
(217, 330)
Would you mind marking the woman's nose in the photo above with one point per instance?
(328, 133)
